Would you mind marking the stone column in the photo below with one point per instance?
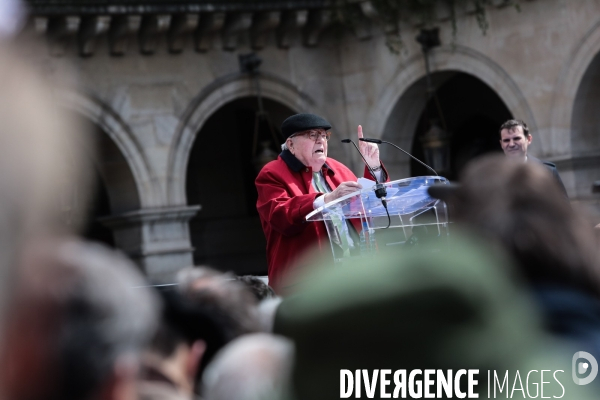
(157, 239)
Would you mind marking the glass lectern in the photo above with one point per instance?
(357, 224)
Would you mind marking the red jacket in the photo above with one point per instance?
(285, 197)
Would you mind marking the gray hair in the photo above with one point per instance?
(266, 312)
(186, 277)
(512, 124)
(222, 293)
(105, 313)
(284, 146)
(253, 367)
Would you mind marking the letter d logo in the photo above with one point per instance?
(583, 367)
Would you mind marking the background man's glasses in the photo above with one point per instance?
(313, 135)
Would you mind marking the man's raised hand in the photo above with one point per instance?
(369, 150)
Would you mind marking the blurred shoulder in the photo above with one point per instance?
(537, 160)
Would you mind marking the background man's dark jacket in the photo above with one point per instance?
(552, 168)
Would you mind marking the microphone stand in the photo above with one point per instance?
(379, 141)
(380, 190)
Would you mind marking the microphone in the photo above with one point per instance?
(378, 141)
(380, 190)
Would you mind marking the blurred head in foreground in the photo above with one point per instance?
(267, 310)
(77, 325)
(519, 206)
(228, 301)
(42, 147)
(257, 286)
(253, 367)
(39, 164)
(450, 310)
(171, 363)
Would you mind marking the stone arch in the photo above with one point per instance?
(574, 120)
(209, 100)
(138, 191)
(115, 174)
(471, 111)
(568, 85)
(226, 233)
(404, 91)
(584, 115)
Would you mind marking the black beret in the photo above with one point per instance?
(302, 122)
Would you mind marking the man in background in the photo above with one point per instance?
(515, 139)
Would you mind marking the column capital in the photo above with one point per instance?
(161, 214)
(158, 239)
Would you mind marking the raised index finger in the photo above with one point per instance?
(360, 134)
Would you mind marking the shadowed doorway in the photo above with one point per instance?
(471, 113)
(226, 233)
(114, 190)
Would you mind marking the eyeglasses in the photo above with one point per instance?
(313, 135)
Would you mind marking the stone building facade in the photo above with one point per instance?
(173, 115)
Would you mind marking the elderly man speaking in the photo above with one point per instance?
(302, 179)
